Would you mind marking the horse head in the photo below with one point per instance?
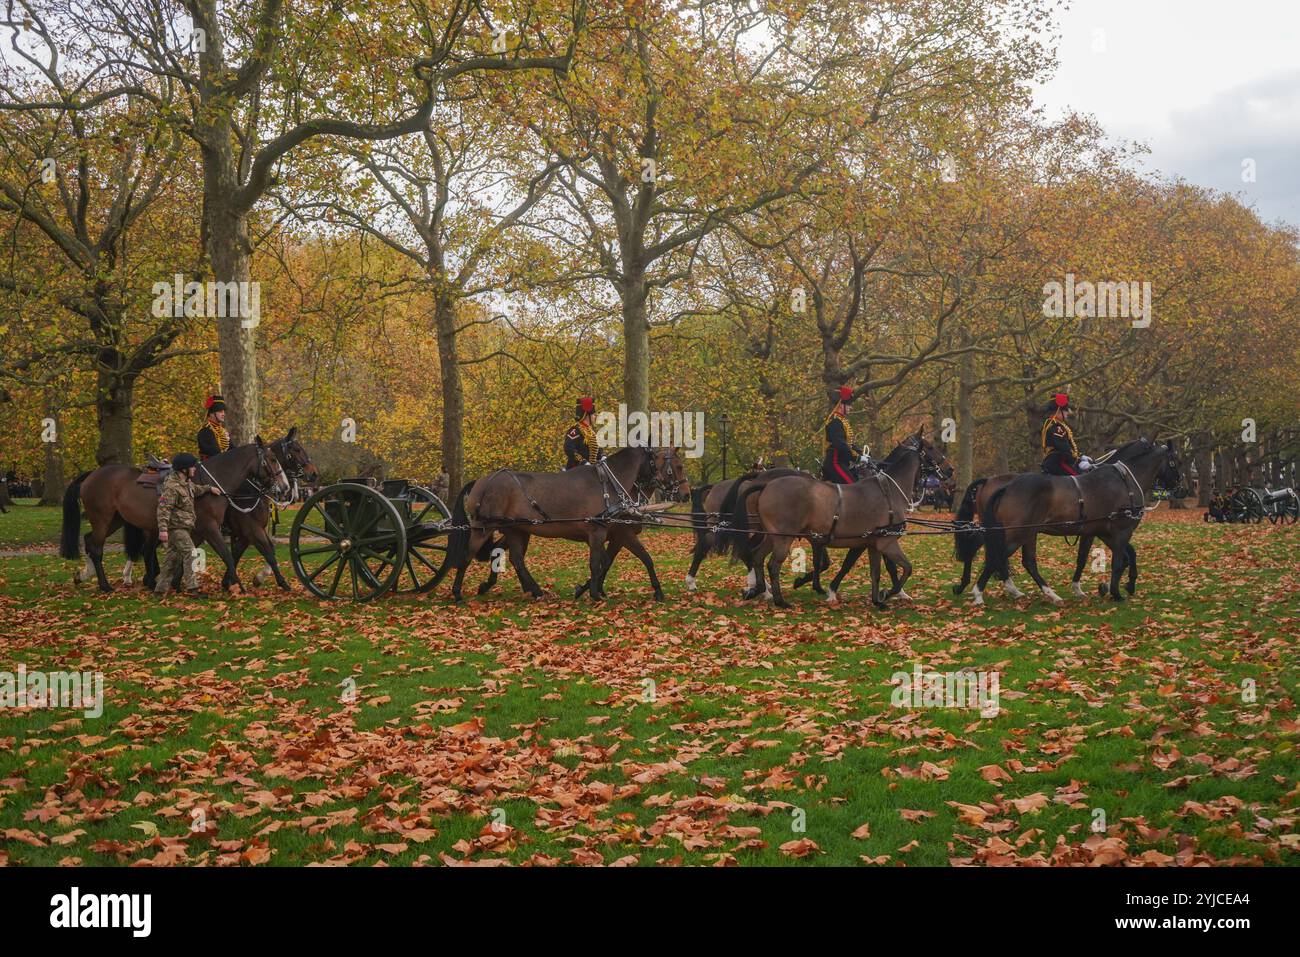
(269, 471)
(664, 471)
(293, 458)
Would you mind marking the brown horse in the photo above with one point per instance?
(1106, 502)
(968, 542)
(250, 510)
(712, 504)
(569, 505)
(867, 515)
(112, 498)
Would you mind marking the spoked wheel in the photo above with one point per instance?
(348, 541)
(426, 540)
(1285, 512)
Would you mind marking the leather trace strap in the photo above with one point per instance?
(531, 501)
(1079, 491)
(835, 519)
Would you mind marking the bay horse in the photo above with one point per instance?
(865, 516)
(249, 514)
(1106, 502)
(112, 499)
(969, 541)
(711, 503)
(569, 505)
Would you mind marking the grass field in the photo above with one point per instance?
(701, 731)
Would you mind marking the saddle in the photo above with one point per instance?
(154, 473)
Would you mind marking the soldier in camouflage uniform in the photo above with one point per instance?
(176, 522)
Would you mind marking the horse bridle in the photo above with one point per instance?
(251, 480)
(663, 481)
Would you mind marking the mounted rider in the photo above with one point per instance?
(580, 445)
(1060, 451)
(839, 454)
(213, 438)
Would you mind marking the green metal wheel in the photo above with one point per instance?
(348, 541)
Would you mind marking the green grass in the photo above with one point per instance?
(761, 719)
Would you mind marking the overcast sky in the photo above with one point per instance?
(1206, 84)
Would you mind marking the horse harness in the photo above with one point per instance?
(1126, 476)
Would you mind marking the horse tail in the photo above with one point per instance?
(699, 521)
(133, 538)
(70, 539)
(458, 539)
(722, 542)
(995, 537)
(968, 541)
(741, 543)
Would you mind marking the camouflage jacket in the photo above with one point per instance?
(176, 501)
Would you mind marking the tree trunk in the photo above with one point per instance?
(52, 490)
(230, 252)
(636, 346)
(453, 394)
(113, 398)
(1204, 484)
(965, 422)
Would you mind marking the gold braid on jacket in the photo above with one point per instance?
(589, 437)
(848, 430)
(1053, 421)
(223, 437)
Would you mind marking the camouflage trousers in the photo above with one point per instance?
(180, 554)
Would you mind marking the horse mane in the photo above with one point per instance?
(898, 452)
(1133, 449)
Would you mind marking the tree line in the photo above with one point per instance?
(458, 219)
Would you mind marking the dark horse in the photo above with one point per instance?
(712, 504)
(250, 510)
(969, 541)
(867, 515)
(113, 498)
(518, 505)
(1106, 502)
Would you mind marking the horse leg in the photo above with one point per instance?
(209, 531)
(759, 586)
(1029, 558)
(95, 549)
(875, 578)
(611, 550)
(703, 545)
(495, 563)
(596, 561)
(821, 562)
(266, 548)
(637, 548)
(1085, 547)
(477, 537)
(895, 559)
(977, 593)
(779, 552)
(832, 594)
(1131, 561)
(960, 587)
(518, 545)
(1118, 558)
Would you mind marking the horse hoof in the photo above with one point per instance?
(659, 596)
(106, 589)
(819, 590)
(880, 605)
(780, 603)
(1116, 596)
(1131, 589)
(958, 589)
